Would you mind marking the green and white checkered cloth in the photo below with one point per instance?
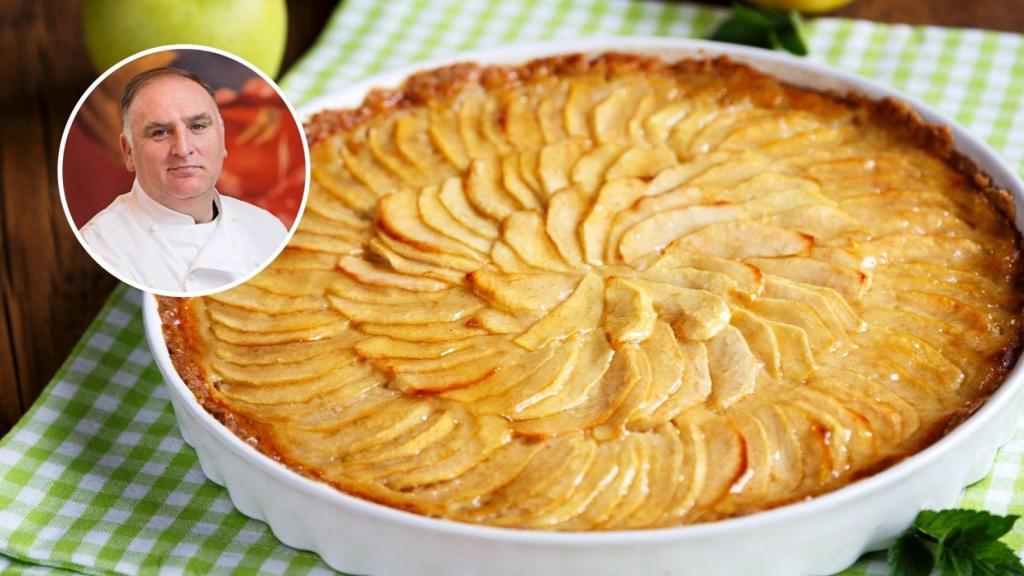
(96, 478)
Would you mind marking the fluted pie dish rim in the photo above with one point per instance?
(202, 430)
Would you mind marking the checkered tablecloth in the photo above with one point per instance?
(96, 478)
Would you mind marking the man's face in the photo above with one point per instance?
(176, 140)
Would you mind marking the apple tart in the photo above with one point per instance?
(614, 293)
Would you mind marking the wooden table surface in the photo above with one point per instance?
(50, 290)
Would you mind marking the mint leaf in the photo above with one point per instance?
(909, 556)
(966, 543)
(764, 28)
(995, 559)
(975, 525)
(739, 31)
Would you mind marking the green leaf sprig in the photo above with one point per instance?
(958, 542)
(764, 28)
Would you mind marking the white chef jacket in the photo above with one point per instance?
(146, 243)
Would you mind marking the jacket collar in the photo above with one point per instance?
(157, 213)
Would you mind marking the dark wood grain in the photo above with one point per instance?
(50, 290)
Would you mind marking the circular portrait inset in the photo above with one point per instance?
(183, 170)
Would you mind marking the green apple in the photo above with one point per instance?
(252, 29)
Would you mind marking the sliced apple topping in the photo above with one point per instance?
(613, 294)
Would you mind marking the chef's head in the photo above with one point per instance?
(173, 135)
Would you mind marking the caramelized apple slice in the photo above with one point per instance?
(565, 212)
(436, 216)
(694, 314)
(453, 197)
(733, 367)
(849, 282)
(629, 312)
(739, 240)
(250, 297)
(525, 233)
(556, 161)
(531, 292)
(613, 197)
(581, 311)
(455, 304)
(658, 231)
(595, 357)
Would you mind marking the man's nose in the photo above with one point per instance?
(182, 144)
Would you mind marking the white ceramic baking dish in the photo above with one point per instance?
(819, 536)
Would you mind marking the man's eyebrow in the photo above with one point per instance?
(203, 117)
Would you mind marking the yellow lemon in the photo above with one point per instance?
(812, 6)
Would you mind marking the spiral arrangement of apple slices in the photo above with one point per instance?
(617, 294)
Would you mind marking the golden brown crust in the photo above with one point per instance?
(181, 333)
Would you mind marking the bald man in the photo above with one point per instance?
(173, 232)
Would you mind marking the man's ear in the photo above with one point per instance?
(126, 151)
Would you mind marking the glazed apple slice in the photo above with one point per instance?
(436, 216)
(615, 470)
(957, 253)
(492, 119)
(849, 282)
(494, 471)
(642, 162)
(528, 292)
(668, 367)
(786, 473)
(654, 233)
(693, 473)
(455, 304)
(384, 347)
(570, 512)
(747, 279)
(581, 311)
(522, 131)
(827, 224)
(965, 285)
(887, 422)
(453, 197)
(544, 382)
(761, 338)
(524, 232)
(830, 307)
(400, 358)
(441, 425)
(322, 243)
(634, 388)
(381, 143)
(583, 95)
(491, 433)
(512, 178)
(376, 275)
(381, 248)
(694, 314)
(278, 373)
(290, 283)
(733, 367)
(288, 352)
(245, 337)
(658, 125)
(550, 113)
(485, 191)
(334, 177)
(694, 387)
(443, 131)
(454, 376)
(426, 333)
(548, 479)
(506, 379)
(594, 360)
(801, 316)
(564, 214)
(250, 297)
(656, 482)
(723, 446)
(613, 197)
(589, 171)
(364, 168)
(940, 307)
(629, 312)
(400, 218)
(499, 322)
(758, 453)
(352, 378)
(470, 109)
(556, 161)
(251, 321)
(297, 259)
(412, 142)
(724, 125)
(409, 253)
(611, 116)
(739, 240)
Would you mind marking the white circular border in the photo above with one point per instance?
(166, 48)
